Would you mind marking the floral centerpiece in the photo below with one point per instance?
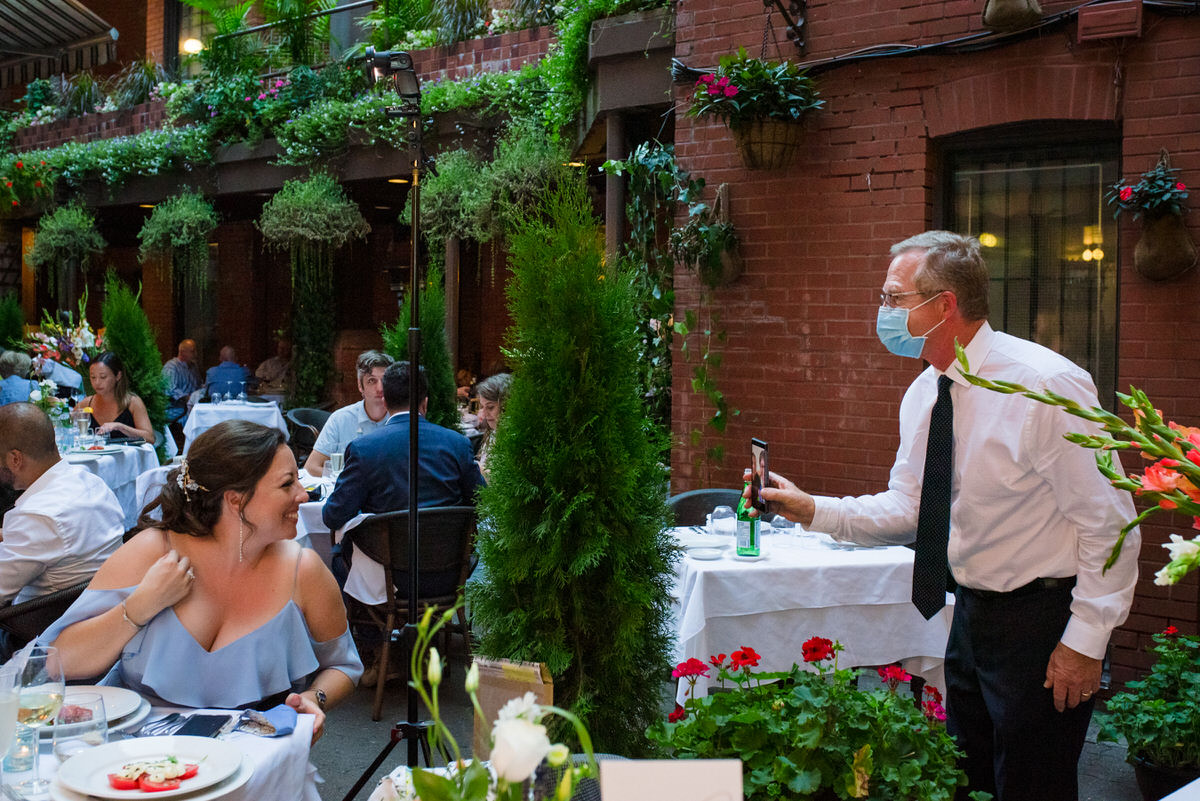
(43, 396)
(760, 102)
(1170, 483)
(66, 341)
(1165, 249)
(1159, 716)
(519, 741)
(811, 733)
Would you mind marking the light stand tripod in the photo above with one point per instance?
(397, 67)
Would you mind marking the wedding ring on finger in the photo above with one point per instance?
(191, 574)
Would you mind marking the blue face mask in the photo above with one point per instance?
(891, 326)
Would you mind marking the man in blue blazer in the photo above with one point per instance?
(375, 476)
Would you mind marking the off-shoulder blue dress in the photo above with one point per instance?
(164, 663)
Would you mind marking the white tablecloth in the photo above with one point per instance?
(281, 768)
(120, 471)
(806, 587)
(206, 415)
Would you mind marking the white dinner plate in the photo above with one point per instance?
(119, 706)
(58, 792)
(87, 772)
(705, 554)
(99, 451)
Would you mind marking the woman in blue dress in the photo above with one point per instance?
(216, 605)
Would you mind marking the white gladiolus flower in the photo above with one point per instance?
(518, 746)
(472, 682)
(558, 754)
(435, 667)
(1163, 577)
(523, 708)
(1179, 548)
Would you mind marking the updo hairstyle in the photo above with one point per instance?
(230, 456)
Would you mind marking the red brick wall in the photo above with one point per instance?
(802, 362)
(90, 127)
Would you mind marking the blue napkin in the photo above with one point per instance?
(282, 718)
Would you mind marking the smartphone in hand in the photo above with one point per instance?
(760, 476)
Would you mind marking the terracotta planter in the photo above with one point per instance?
(1165, 249)
(767, 144)
(1155, 782)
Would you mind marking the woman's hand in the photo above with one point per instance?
(108, 428)
(166, 583)
(305, 705)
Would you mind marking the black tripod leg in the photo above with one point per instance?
(387, 749)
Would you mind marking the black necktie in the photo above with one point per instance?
(933, 519)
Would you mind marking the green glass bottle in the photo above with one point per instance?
(747, 530)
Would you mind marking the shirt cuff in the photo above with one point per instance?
(825, 515)
(1086, 638)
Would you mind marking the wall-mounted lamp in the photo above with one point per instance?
(192, 46)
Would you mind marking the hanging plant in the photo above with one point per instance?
(1165, 248)
(177, 233)
(66, 240)
(310, 220)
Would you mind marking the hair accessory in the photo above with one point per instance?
(186, 482)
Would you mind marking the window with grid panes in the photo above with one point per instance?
(1049, 241)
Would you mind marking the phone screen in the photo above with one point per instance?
(760, 476)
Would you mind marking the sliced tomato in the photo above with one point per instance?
(121, 783)
(189, 770)
(147, 786)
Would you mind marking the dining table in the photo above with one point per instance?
(119, 467)
(204, 416)
(273, 768)
(803, 585)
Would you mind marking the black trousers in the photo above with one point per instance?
(1018, 746)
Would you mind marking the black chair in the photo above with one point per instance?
(28, 619)
(691, 507)
(306, 425)
(446, 535)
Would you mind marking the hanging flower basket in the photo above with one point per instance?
(1165, 249)
(767, 144)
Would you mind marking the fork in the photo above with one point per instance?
(161, 726)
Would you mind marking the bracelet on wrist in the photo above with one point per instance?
(128, 619)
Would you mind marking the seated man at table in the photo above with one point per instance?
(66, 521)
(183, 378)
(228, 377)
(275, 374)
(357, 419)
(14, 371)
(375, 478)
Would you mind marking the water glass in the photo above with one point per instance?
(241, 396)
(337, 462)
(79, 725)
(83, 424)
(722, 521)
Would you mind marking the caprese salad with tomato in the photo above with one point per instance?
(153, 775)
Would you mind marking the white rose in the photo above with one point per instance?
(1179, 548)
(518, 747)
(524, 708)
(35, 396)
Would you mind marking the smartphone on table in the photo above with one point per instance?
(760, 476)
(206, 725)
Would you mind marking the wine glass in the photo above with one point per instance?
(241, 391)
(9, 687)
(41, 694)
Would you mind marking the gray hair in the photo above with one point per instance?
(954, 262)
(495, 388)
(14, 362)
(368, 360)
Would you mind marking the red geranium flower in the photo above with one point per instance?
(1170, 631)
(1181, 187)
(816, 649)
(1126, 193)
(717, 661)
(692, 667)
(679, 714)
(744, 658)
(20, 165)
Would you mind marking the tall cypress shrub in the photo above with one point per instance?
(128, 334)
(12, 322)
(577, 554)
(435, 353)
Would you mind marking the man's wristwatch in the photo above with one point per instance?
(321, 697)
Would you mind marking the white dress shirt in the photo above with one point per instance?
(60, 531)
(344, 426)
(1026, 503)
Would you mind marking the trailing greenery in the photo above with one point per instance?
(323, 131)
(128, 333)
(66, 240)
(311, 219)
(177, 232)
(743, 89)
(578, 562)
(12, 322)
(435, 354)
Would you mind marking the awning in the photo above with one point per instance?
(40, 38)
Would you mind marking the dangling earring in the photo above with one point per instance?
(241, 538)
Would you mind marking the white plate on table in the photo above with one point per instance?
(99, 451)
(58, 792)
(87, 772)
(706, 554)
(120, 706)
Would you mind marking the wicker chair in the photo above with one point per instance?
(691, 507)
(306, 424)
(28, 619)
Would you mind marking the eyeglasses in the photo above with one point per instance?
(890, 299)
